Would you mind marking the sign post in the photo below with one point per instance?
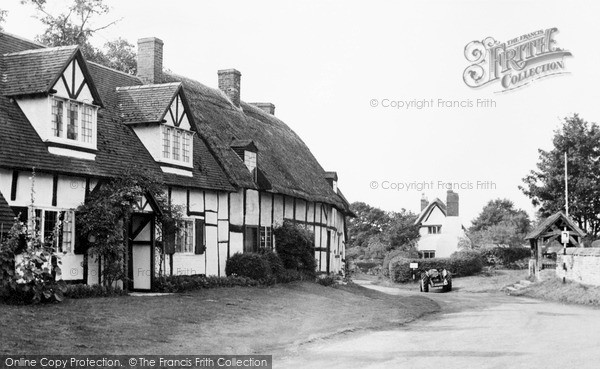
(564, 239)
(414, 267)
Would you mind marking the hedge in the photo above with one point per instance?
(460, 264)
(508, 257)
(251, 265)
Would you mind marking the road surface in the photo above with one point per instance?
(474, 330)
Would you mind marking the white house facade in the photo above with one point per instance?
(67, 126)
(440, 226)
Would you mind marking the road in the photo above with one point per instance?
(473, 330)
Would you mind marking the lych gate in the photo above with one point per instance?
(548, 232)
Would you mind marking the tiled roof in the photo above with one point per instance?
(6, 214)
(119, 149)
(11, 43)
(548, 222)
(34, 71)
(146, 103)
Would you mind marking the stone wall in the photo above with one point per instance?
(582, 265)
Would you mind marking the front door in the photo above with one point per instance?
(141, 252)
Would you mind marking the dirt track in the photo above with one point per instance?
(474, 330)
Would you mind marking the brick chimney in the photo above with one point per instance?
(229, 83)
(150, 60)
(424, 202)
(266, 107)
(451, 204)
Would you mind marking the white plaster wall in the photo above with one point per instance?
(278, 209)
(151, 137)
(288, 207)
(236, 204)
(266, 204)
(252, 207)
(211, 201)
(223, 250)
(37, 110)
(196, 201)
(42, 186)
(212, 250)
(71, 267)
(70, 192)
(223, 212)
(236, 243)
(300, 210)
(188, 264)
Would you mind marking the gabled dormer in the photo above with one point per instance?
(159, 115)
(55, 91)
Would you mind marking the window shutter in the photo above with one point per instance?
(200, 246)
(81, 244)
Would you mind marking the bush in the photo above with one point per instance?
(295, 247)
(251, 265)
(460, 264)
(385, 268)
(508, 257)
(327, 280)
(274, 261)
(185, 283)
(81, 291)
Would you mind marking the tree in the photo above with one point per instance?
(545, 186)
(3, 14)
(375, 231)
(499, 223)
(74, 28)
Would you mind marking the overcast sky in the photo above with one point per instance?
(323, 62)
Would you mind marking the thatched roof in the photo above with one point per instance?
(548, 222)
(283, 157)
(429, 208)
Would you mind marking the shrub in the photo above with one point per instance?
(185, 283)
(251, 265)
(508, 257)
(274, 261)
(460, 264)
(394, 254)
(327, 280)
(295, 247)
(81, 291)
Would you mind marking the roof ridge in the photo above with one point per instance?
(112, 69)
(23, 39)
(44, 50)
(156, 85)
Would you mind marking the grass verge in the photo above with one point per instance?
(553, 289)
(219, 321)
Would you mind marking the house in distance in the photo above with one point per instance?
(440, 226)
(235, 169)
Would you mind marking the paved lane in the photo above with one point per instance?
(472, 331)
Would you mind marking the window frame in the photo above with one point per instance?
(81, 130)
(428, 254)
(188, 246)
(61, 215)
(176, 145)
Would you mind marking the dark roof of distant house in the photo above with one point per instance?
(425, 213)
(283, 157)
(548, 222)
(146, 103)
(6, 214)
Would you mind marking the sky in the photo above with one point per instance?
(334, 69)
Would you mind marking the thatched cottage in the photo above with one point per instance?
(236, 169)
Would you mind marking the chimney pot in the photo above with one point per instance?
(268, 108)
(229, 83)
(150, 60)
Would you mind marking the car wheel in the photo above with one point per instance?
(424, 285)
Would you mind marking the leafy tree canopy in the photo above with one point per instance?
(545, 186)
(74, 27)
(499, 223)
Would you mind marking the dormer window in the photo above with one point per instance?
(176, 144)
(250, 160)
(74, 121)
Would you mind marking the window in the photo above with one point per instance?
(434, 229)
(266, 238)
(79, 119)
(86, 124)
(184, 240)
(428, 254)
(176, 144)
(57, 117)
(56, 228)
(250, 160)
(251, 239)
(186, 147)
